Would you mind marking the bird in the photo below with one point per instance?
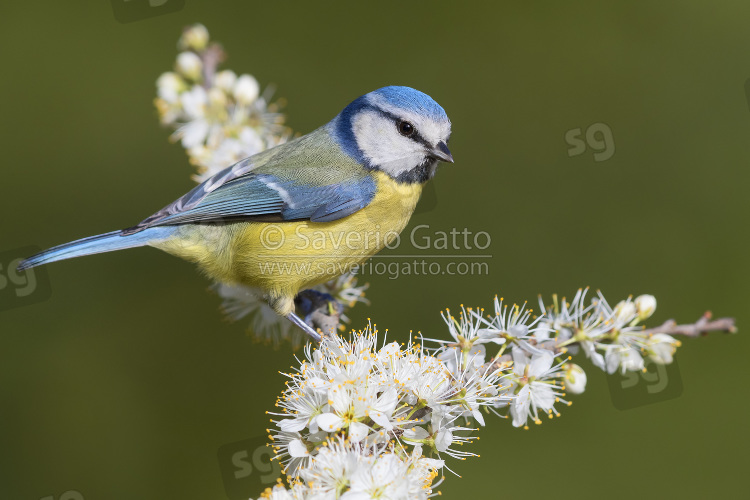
(303, 212)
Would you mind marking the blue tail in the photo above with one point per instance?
(107, 242)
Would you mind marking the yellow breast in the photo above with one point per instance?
(285, 257)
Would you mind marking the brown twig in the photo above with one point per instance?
(211, 57)
(701, 327)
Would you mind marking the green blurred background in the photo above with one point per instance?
(125, 383)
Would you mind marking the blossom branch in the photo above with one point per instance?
(702, 327)
(613, 338)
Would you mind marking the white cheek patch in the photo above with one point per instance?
(383, 146)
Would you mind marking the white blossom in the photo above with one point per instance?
(645, 305)
(356, 411)
(575, 378)
(513, 323)
(194, 37)
(390, 395)
(661, 348)
(189, 65)
(622, 357)
(350, 471)
(169, 85)
(246, 90)
(625, 311)
(225, 80)
(222, 119)
(537, 386)
(194, 103)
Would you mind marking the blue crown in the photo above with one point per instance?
(413, 100)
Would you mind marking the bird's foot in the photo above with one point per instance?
(319, 310)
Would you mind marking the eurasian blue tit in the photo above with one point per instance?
(353, 183)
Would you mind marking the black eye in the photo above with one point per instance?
(405, 128)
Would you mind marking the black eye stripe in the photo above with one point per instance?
(416, 136)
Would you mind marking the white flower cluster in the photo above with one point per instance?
(219, 117)
(611, 337)
(352, 403)
(380, 397)
(535, 380)
(538, 348)
(351, 471)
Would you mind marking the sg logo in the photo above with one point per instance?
(21, 288)
(598, 137)
(246, 467)
(656, 383)
(68, 495)
(128, 11)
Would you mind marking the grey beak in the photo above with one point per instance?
(442, 153)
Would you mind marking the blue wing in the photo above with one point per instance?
(264, 196)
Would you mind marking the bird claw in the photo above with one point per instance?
(304, 326)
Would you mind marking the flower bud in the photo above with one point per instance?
(645, 305)
(189, 65)
(246, 90)
(225, 80)
(194, 37)
(625, 311)
(575, 378)
(217, 97)
(169, 85)
(661, 348)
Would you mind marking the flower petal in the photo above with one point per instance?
(358, 431)
(329, 422)
(415, 433)
(292, 424)
(298, 449)
(380, 419)
(444, 440)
